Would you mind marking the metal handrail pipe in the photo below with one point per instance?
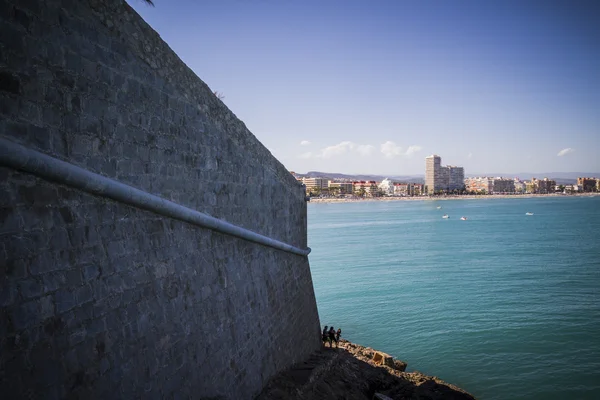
(21, 158)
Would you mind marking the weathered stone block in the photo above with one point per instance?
(30, 288)
(7, 294)
(24, 315)
(73, 278)
(65, 300)
(16, 269)
(99, 289)
(44, 263)
(84, 294)
(59, 240)
(90, 271)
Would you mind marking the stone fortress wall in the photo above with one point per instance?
(101, 299)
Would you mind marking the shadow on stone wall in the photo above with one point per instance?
(100, 299)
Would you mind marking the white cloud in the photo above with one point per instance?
(365, 149)
(564, 152)
(346, 147)
(304, 143)
(336, 150)
(306, 155)
(412, 149)
(390, 150)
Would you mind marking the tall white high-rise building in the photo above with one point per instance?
(442, 178)
(433, 173)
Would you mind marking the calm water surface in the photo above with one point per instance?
(503, 305)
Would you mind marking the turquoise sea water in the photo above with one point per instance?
(504, 305)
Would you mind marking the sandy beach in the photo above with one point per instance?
(440, 198)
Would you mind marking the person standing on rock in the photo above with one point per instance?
(337, 336)
(325, 336)
(332, 336)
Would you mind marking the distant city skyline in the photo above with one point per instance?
(520, 175)
(374, 87)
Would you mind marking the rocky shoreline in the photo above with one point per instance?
(356, 372)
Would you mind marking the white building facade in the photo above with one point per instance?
(439, 178)
(387, 187)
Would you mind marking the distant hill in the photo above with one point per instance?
(359, 177)
(541, 175)
(561, 178)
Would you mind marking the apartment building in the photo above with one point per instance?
(418, 189)
(480, 184)
(519, 185)
(456, 177)
(542, 186)
(588, 184)
(315, 183)
(530, 187)
(503, 185)
(408, 189)
(434, 179)
(340, 187)
(367, 188)
(401, 189)
(442, 178)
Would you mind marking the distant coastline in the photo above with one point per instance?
(448, 197)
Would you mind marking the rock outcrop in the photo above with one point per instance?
(356, 372)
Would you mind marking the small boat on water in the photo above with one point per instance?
(528, 213)
(463, 218)
(445, 216)
(439, 207)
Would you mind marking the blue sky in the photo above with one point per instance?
(374, 86)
